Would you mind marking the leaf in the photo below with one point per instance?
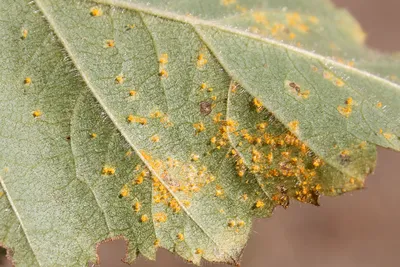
(174, 124)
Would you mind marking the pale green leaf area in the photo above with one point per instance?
(174, 124)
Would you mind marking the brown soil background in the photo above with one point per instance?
(360, 229)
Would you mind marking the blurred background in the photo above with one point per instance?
(360, 229)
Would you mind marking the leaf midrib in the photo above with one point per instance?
(116, 124)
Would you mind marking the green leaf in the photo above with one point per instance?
(175, 123)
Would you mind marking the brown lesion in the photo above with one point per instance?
(205, 108)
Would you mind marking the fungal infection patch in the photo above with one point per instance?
(201, 60)
(195, 157)
(258, 105)
(37, 113)
(93, 135)
(296, 89)
(108, 171)
(144, 218)
(132, 93)
(346, 110)
(96, 12)
(199, 127)
(180, 237)
(339, 83)
(124, 191)
(110, 43)
(155, 139)
(199, 251)
(219, 191)
(137, 206)
(27, 81)
(294, 126)
(24, 34)
(388, 136)
(163, 74)
(119, 79)
(135, 119)
(130, 26)
(163, 59)
(160, 217)
(205, 108)
(259, 204)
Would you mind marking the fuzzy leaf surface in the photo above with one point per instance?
(175, 123)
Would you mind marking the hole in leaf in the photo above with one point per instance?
(4, 262)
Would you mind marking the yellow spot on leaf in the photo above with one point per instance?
(174, 205)
(37, 113)
(201, 60)
(199, 251)
(199, 127)
(135, 119)
(24, 34)
(349, 101)
(108, 171)
(110, 43)
(144, 218)
(195, 157)
(294, 126)
(96, 12)
(93, 135)
(328, 75)
(160, 217)
(155, 138)
(219, 191)
(27, 81)
(259, 204)
(132, 93)
(180, 236)
(119, 79)
(388, 136)
(339, 83)
(163, 59)
(163, 73)
(258, 104)
(137, 206)
(345, 111)
(124, 191)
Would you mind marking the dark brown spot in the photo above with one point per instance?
(344, 159)
(295, 86)
(315, 197)
(68, 138)
(205, 108)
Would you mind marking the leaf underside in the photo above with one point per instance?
(175, 123)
